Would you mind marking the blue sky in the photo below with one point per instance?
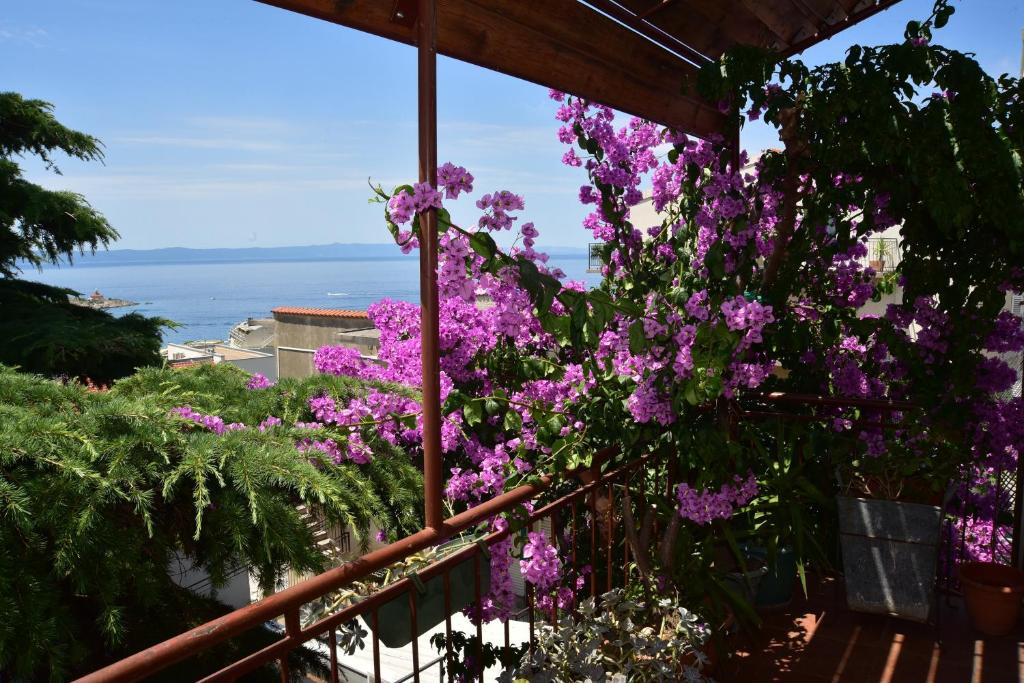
(232, 123)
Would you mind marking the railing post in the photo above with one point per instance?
(734, 149)
(426, 43)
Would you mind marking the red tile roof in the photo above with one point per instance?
(319, 312)
(182, 363)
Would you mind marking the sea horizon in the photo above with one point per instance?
(208, 297)
(334, 251)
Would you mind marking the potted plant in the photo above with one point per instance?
(993, 593)
(774, 588)
(394, 619)
(879, 254)
(618, 637)
(784, 524)
(890, 516)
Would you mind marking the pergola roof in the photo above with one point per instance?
(638, 56)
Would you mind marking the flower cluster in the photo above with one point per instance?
(269, 423)
(705, 506)
(258, 381)
(352, 448)
(541, 564)
(213, 423)
(403, 205)
(339, 360)
(454, 179)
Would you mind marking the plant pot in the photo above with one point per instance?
(394, 619)
(877, 265)
(747, 583)
(890, 550)
(776, 587)
(993, 593)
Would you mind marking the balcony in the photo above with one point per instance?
(592, 518)
(594, 257)
(884, 255)
(396, 613)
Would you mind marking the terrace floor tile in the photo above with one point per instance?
(818, 639)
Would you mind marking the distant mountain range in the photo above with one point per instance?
(315, 252)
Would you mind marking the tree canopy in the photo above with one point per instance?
(44, 332)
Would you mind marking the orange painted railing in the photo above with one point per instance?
(587, 508)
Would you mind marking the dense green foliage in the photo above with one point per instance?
(101, 491)
(923, 134)
(44, 333)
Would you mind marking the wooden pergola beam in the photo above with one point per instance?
(712, 26)
(861, 11)
(559, 44)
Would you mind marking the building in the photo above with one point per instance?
(212, 352)
(299, 332)
(253, 333)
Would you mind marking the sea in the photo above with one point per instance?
(208, 299)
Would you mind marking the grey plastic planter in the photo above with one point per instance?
(890, 551)
(746, 583)
(394, 618)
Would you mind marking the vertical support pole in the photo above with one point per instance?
(1016, 544)
(1016, 549)
(333, 644)
(734, 144)
(994, 542)
(426, 43)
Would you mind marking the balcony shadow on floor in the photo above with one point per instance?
(818, 639)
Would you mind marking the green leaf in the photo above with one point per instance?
(472, 412)
(444, 220)
(637, 338)
(852, 55)
(715, 261)
(512, 422)
(483, 244)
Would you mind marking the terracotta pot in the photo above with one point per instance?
(993, 593)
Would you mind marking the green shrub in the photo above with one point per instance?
(100, 491)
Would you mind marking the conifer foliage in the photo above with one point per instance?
(100, 492)
(43, 332)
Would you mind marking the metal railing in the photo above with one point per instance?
(588, 508)
(588, 524)
(582, 525)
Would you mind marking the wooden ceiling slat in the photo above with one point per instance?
(732, 21)
(655, 8)
(609, 54)
(560, 44)
(834, 11)
(688, 24)
(623, 15)
(786, 22)
(364, 15)
(860, 11)
(809, 12)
